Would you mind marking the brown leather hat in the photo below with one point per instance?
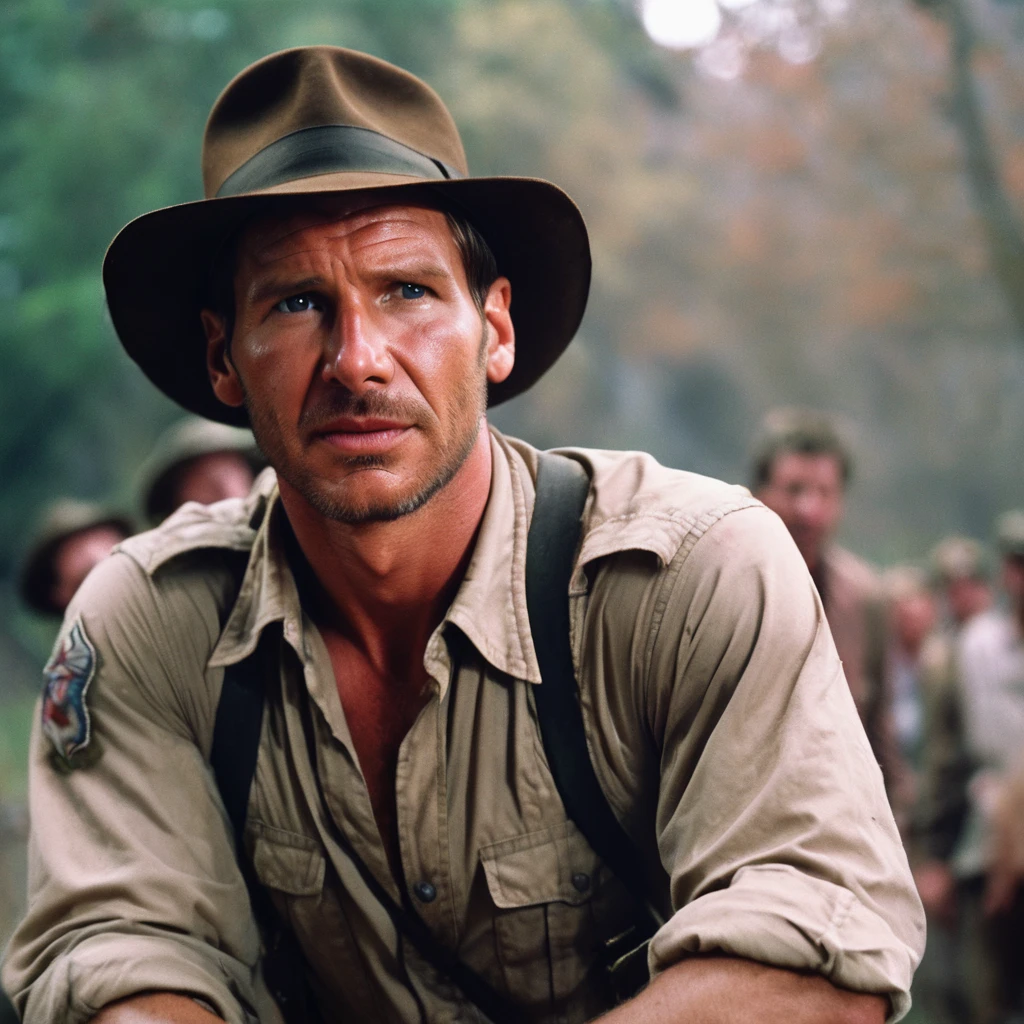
(317, 120)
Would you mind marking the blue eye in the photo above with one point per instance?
(295, 304)
(413, 291)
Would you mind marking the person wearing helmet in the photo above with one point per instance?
(195, 459)
(72, 538)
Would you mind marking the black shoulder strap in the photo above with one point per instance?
(237, 728)
(236, 733)
(551, 547)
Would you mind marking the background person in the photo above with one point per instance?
(912, 617)
(73, 537)
(975, 736)
(961, 571)
(801, 470)
(196, 459)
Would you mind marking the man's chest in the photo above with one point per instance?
(487, 856)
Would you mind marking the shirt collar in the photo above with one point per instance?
(635, 504)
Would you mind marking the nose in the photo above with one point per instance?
(356, 353)
(810, 508)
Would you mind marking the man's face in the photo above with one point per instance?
(76, 557)
(967, 597)
(913, 618)
(213, 477)
(360, 355)
(1013, 579)
(806, 491)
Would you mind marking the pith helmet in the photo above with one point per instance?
(61, 520)
(319, 120)
(188, 439)
(959, 558)
(1010, 532)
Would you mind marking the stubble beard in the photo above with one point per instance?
(469, 393)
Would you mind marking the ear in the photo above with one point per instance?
(224, 379)
(501, 335)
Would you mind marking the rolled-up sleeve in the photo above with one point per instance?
(133, 882)
(772, 820)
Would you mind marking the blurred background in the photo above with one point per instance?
(814, 202)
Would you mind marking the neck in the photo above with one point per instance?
(387, 585)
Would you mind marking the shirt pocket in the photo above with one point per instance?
(288, 862)
(543, 886)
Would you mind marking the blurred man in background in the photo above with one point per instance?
(974, 736)
(801, 469)
(73, 537)
(197, 460)
(912, 615)
(962, 574)
(990, 659)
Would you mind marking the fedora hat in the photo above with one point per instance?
(319, 120)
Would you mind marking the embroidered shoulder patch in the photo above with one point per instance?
(65, 714)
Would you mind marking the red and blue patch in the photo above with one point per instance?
(65, 715)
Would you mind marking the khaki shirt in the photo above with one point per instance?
(719, 721)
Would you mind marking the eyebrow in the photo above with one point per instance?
(272, 287)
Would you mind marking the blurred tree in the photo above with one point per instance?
(1003, 227)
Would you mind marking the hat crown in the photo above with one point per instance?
(1010, 532)
(316, 86)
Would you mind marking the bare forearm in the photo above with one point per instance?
(725, 990)
(158, 1008)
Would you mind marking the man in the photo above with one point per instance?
(196, 460)
(990, 666)
(961, 572)
(366, 300)
(974, 741)
(912, 617)
(801, 469)
(72, 538)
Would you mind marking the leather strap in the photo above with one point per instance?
(551, 549)
(237, 728)
(328, 149)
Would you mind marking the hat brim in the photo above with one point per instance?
(155, 273)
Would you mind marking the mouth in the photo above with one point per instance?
(362, 435)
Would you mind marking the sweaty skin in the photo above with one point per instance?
(363, 359)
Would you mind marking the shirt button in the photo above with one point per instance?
(425, 892)
(581, 881)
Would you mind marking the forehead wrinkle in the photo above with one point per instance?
(394, 228)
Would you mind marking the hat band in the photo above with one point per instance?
(326, 149)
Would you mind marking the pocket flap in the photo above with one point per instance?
(555, 864)
(288, 862)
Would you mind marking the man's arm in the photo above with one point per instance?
(771, 817)
(134, 883)
(726, 990)
(156, 1008)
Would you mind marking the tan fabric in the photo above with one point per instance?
(855, 609)
(721, 728)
